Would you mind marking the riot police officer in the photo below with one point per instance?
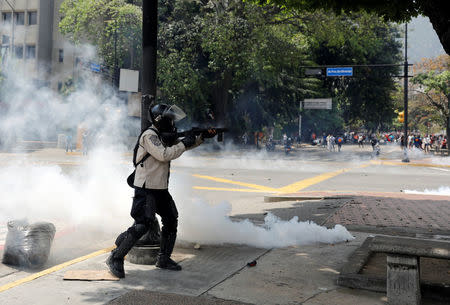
(158, 145)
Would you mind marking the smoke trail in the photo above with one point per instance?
(210, 225)
(443, 190)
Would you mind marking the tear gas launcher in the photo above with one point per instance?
(198, 131)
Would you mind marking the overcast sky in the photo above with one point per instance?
(422, 40)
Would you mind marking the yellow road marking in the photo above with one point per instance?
(249, 185)
(302, 184)
(230, 189)
(54, 269)
(291, 188)
(409, 164)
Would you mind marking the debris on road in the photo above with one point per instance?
(28, 245)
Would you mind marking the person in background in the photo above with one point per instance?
(339, 141)
(427, 144)
(245, 138)
(69, 143)
(360, 141)
(85, 142)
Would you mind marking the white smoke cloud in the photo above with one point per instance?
(206, 224)
(95, 193)
(443, 190)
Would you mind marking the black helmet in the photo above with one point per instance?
(164, 116)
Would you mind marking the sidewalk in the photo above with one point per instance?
(293, 275)
(383, 211)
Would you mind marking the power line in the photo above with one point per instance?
(350, 65)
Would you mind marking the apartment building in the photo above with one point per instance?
(39, 49)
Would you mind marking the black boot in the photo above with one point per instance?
(124, 243)
(164, 261)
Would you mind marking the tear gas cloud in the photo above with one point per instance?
(95, 192)
(443, 191)
(207, 224)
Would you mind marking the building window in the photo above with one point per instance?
(32, 18)
(6, 17)
(19, 18)
(18, 50)
(61, 55)
(30, 52)
(5, 40)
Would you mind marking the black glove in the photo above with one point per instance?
(189, 140)
(210, 133)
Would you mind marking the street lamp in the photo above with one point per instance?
(405, 97)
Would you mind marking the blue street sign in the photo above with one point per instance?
(343, 71)
(95, 67)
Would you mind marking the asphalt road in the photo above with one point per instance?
(241, 178)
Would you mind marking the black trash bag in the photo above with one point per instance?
(28, 245)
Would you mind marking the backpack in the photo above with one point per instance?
(130, 178)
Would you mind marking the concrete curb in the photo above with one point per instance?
(318, 195)
(280, 198)
(350, 275)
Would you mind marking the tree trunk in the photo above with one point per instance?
(448, 123)
(448, 134)
(220, 98)
(437, 11)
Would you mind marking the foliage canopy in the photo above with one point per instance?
(247, 62)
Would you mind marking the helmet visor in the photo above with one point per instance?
(175, 113)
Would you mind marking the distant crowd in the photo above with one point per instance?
(415, 140)
(334, 142)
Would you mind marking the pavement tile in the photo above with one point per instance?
(415, 213)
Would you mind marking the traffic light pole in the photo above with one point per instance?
(149, 48)
(146, 252)
(405, 98)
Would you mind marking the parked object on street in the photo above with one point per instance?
(288, 146)
(28, 245)
(270, 145)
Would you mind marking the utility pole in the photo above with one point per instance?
(149, 48)
(448, 124)
(405, 98)
(147, 251)
(114, 72)
(300, 121)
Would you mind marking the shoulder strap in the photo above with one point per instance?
(147, 155)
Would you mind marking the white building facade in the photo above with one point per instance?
(39, 50)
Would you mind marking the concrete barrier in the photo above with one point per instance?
(402, 283)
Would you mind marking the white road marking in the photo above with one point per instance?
(441, 169)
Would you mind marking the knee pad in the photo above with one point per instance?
(138, 229)
(120, 238)
(141, 228)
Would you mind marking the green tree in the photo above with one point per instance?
(243, 60)
(434, 85)
(235, 57)
(357, 39)
(113, 26)
(391, 10)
